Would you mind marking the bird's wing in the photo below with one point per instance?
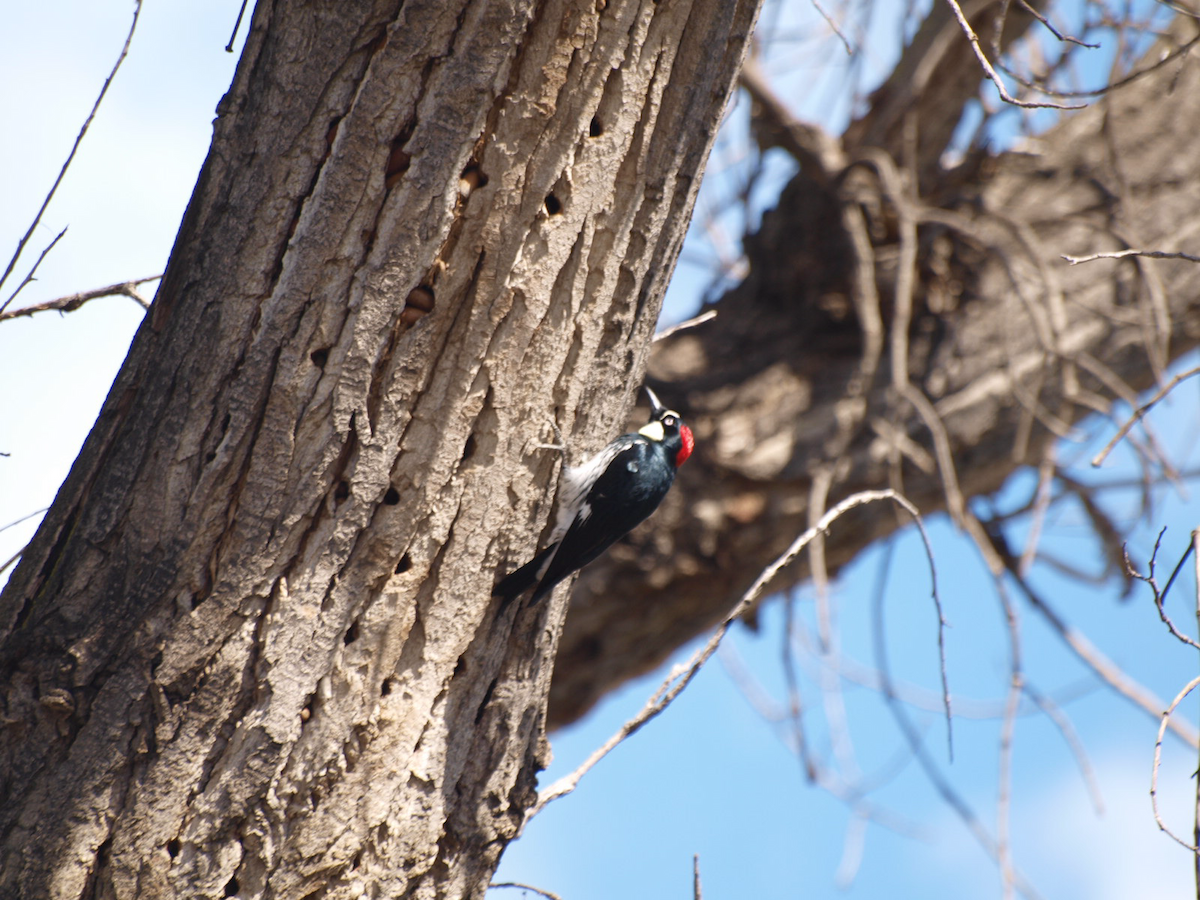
(600, 522)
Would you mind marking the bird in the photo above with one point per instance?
(603, 499)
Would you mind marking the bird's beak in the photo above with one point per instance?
(655, 406)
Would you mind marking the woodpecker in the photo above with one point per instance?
(603, 499)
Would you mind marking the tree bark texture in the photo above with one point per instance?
(797, 390)
(252, 649)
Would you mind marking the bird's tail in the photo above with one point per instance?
(524, 578)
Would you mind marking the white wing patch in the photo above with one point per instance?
(574, 484)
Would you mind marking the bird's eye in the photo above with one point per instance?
(669, 421)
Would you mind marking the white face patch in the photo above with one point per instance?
(654, 431)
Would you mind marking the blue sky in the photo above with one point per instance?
(710, 776)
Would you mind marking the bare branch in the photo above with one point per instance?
(940, 783)
(32, 271)
(1121, 254)
(1094, 659)
(851, 794)
(36, 512)
(1162, 728)
(1167, 58)
(686, 323)
(525, 887)
(72, 302)
(1099, 458)
(12, 559)
(1195, 548)
(681, 675)
(137, 11)
(236, 25)
(1051, 710)
(991, 73)
(1008, 872)
(1160, 596)
(1041, 505)
(834, 26)
(1066, 39)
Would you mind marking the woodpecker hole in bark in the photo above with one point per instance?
(398, 158)
(421, 298)
(471, 179)
(331, 134)
(486, 699)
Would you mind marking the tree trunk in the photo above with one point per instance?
(251, 649)
(1009, 346)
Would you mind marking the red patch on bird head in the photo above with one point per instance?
(685, 435)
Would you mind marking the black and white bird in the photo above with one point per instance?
(603, 499)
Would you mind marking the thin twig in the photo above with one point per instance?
(687, 323)
(940, 783)
(1094, 659)
(137, 11)
(834, 25)
(72, 302)
(1195, 546)
(827, 636)
(795, 711)
(1120, 82)
(1121, 254)
(696, 892)
(681, 675)
(1007, 729)
(1051, 710)
(32, 271)
(1040, 506)
(1099, 458)
(853, 845)
(853, 795)
(1160, 597)
(991, 73)
(1162, 728)
(36, 512)
(1065, 38)
(524, 887)
(236, 26)
(12, 559)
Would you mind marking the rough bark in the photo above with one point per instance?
(1008, 343)
(252, 649)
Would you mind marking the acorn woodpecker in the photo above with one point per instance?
(603, 499)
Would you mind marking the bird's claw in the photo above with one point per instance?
(561, 446)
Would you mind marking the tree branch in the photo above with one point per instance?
(137, 11)
(72, 302)
(763, 384)
(681, 676)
